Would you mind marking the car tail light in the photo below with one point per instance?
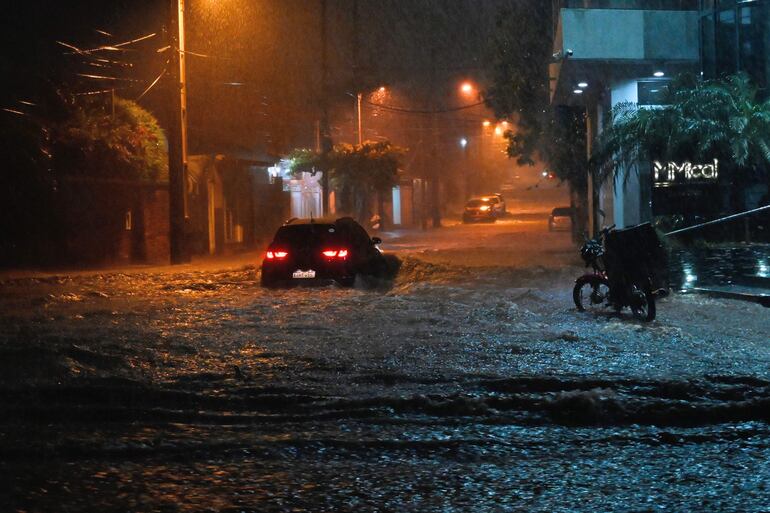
(277, 255)
(335, 253)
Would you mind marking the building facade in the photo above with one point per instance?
(735, 36)
(608, 52)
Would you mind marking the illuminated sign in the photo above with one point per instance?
(671, 172)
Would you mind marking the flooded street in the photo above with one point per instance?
(470, 383)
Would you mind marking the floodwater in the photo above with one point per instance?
(454, 388)
(721, 265)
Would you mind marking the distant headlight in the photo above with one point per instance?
(484, 208)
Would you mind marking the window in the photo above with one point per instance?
(754, 39)
(735, 36)
(708, 46)
(652, 92)
(726, 33)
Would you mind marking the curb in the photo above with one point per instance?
(763, 298)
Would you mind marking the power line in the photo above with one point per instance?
(421, 111)
(165, 68)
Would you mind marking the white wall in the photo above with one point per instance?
(306, 196)
(624, 193)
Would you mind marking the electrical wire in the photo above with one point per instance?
(89, 93)
(421, 111)
(157, 79)
(101, 77)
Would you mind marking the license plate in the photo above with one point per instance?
(303, 274)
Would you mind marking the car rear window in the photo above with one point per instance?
(565, 211)
(310, 234)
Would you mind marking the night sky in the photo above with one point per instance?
(257, 83)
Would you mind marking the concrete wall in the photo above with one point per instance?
(617, 34)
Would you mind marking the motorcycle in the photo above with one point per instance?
(625, 266)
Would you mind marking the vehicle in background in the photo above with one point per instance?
(321, 251)
(561, 218)
(485, 208)
(503, 207)
(496, 201)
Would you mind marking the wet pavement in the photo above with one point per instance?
(718, 265)
(469, 383)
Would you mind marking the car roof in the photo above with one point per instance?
(309, 220)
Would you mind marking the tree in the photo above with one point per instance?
(517, 65)
(59, 136)
(119, 140)
(357, 172)
(518, 70)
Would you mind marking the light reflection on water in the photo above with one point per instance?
(763, 269)
(694, 267)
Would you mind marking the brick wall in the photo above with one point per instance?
(156, 225)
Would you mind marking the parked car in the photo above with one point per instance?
(561, 218)
(485, 208)
(321, 251)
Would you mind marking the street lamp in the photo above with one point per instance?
(359, 99)
(466, 88)
(463, 142)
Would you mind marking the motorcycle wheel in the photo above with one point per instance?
(591, 293)
(643, 304)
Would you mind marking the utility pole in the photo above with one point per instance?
(324, 138)
(177, 143)
(435, 186)
(359, 97)
(356, 79)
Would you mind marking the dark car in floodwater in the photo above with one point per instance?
(307, 251)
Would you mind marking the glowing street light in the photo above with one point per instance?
(463, 142)
(359, 98)
(486, 123)
(466, 88)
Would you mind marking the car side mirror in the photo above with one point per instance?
(376, 240)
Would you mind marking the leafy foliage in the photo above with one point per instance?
(520, 51)
(128, 145)
(357, 172)
(518, 64)
(713, 119)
